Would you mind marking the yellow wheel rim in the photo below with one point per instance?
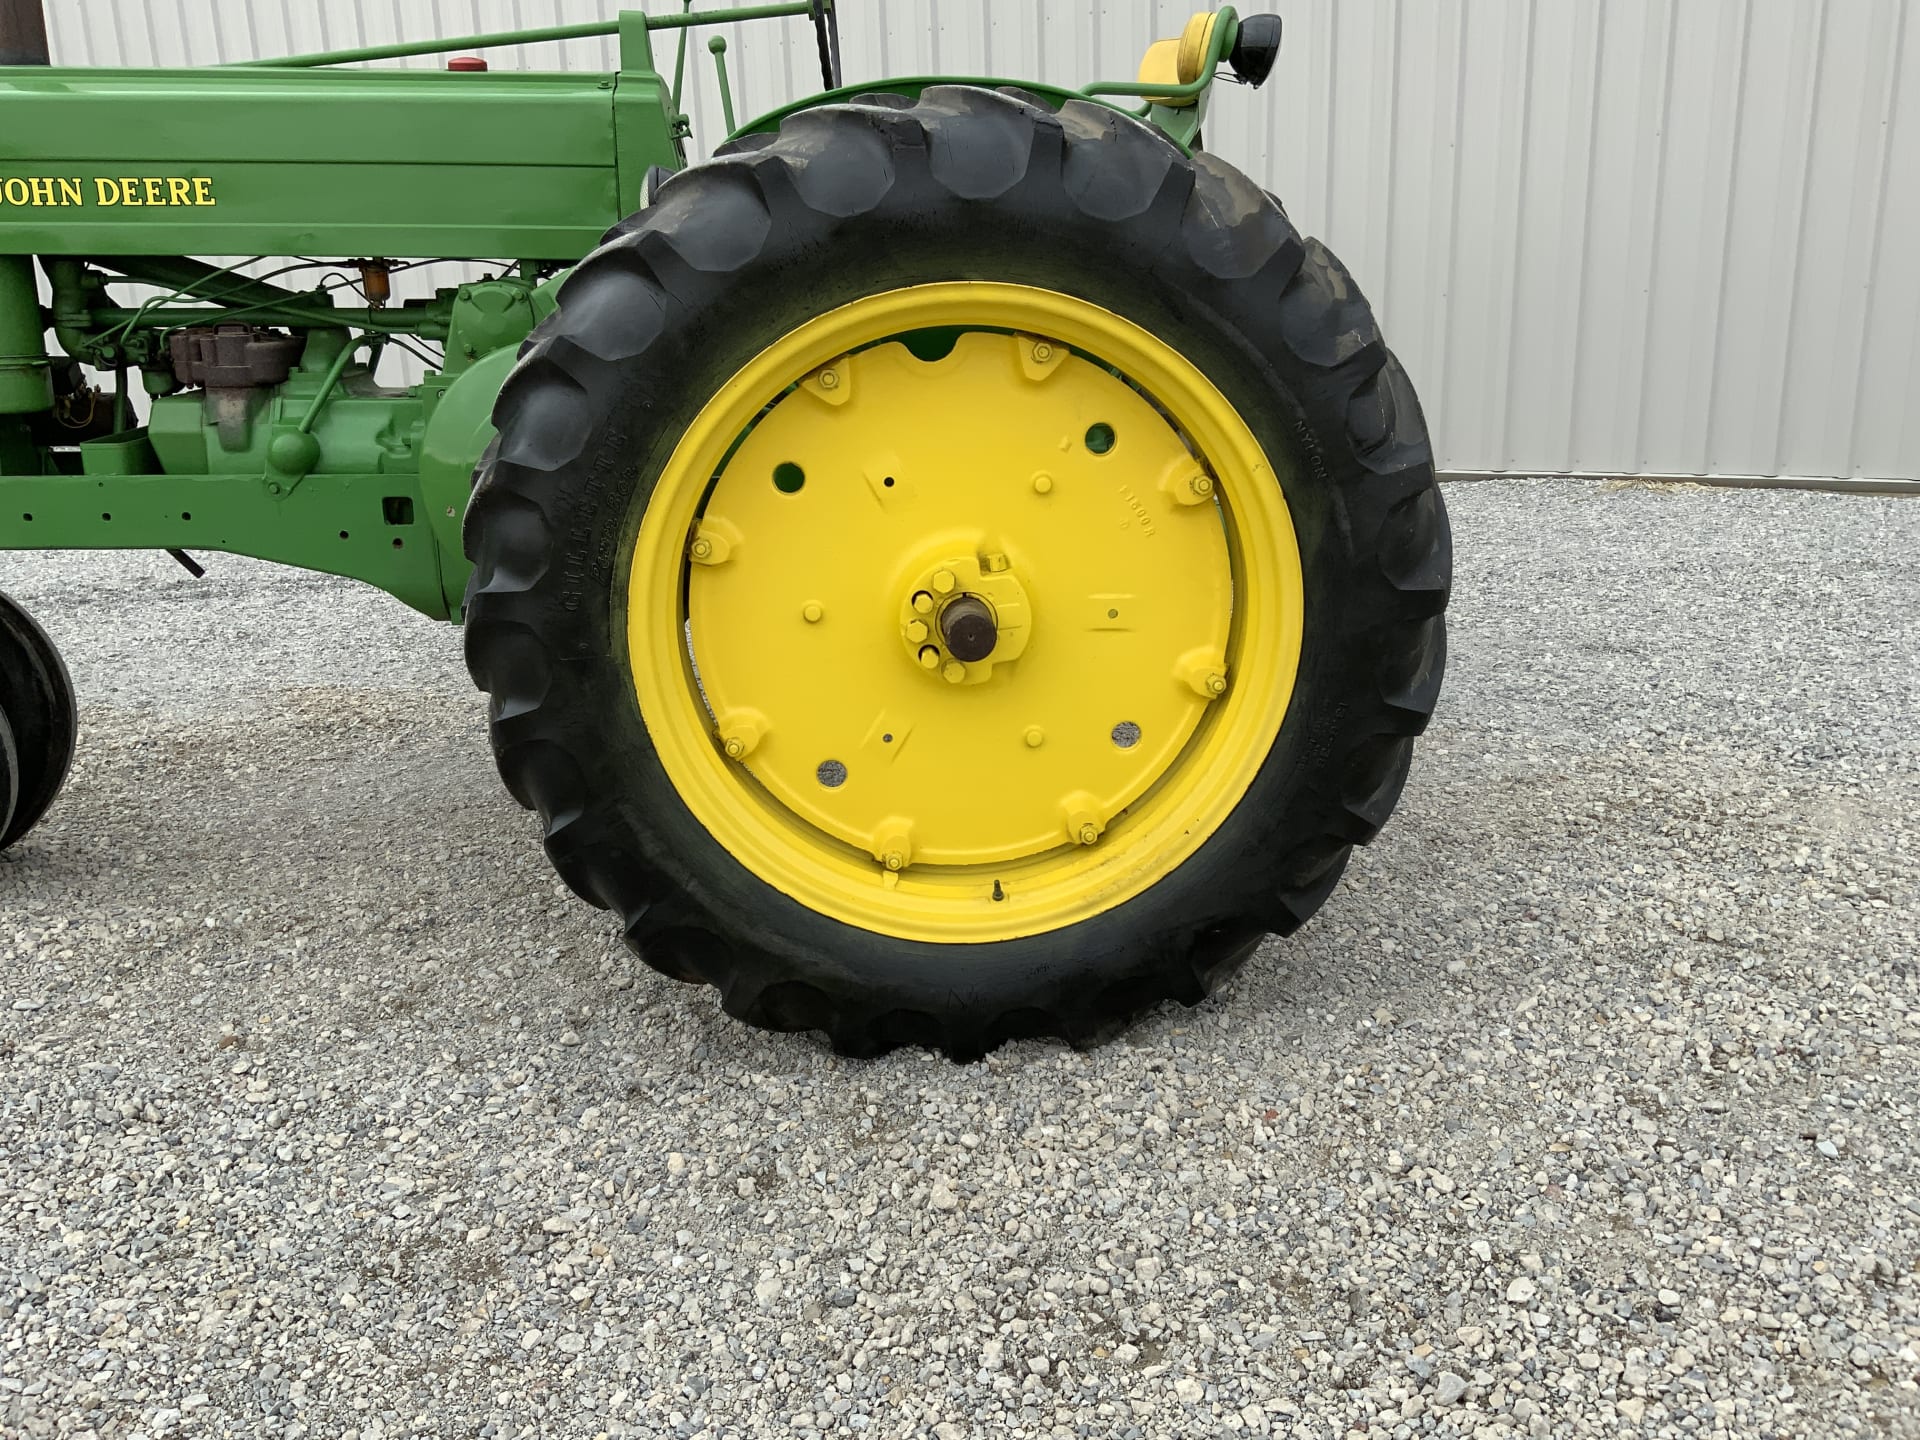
(845, 525)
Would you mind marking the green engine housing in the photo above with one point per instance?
(293, 452)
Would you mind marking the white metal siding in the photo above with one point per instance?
(1638, 236)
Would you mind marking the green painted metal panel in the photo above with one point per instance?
(459, 428)
(248, 161)
(340, 524)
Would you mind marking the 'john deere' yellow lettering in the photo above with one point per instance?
(57, 192)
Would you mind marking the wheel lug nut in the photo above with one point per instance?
(943, 581)
(916, 630)
(1084, 824)
(923, 602)
(929, 658)
(955, 672)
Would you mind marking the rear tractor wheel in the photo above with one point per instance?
(954, 570)
(36, 697)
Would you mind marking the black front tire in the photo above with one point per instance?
(37, 693)
(847, 201)
(9, 773)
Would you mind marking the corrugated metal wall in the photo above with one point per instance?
(1638, 236)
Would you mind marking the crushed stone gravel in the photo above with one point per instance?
(1586, 1107)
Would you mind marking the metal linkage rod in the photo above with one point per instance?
(585, 31)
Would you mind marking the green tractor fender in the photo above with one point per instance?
(1054, 96)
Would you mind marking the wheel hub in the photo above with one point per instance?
(965, 614)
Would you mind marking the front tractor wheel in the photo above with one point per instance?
(42, 721)
(955, 570)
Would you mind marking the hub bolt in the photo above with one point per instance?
(929, 658)
(955, 672)
(923, 602)
(916, 630)
(943, 581)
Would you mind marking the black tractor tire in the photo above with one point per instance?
(9, 772)
(37, 692)
(849, 200)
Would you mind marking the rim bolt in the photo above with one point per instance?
(943, 582)
(1201, 485)
(916, 630)
(1083, 821)
(923, 602)
(929, 658)
(739, 732)
(955, 672)
(1216, 684)
(811, 612)
(703, 549)
(1042, 483)
(1036, 737)
(1043, 352)
(829, 379)
(895, 860)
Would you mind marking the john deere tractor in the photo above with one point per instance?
(956, 565)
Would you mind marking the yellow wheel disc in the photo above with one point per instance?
(965, 648)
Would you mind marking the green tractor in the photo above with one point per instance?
(956, 565)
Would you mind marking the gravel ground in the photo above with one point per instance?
(1586, 1107)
